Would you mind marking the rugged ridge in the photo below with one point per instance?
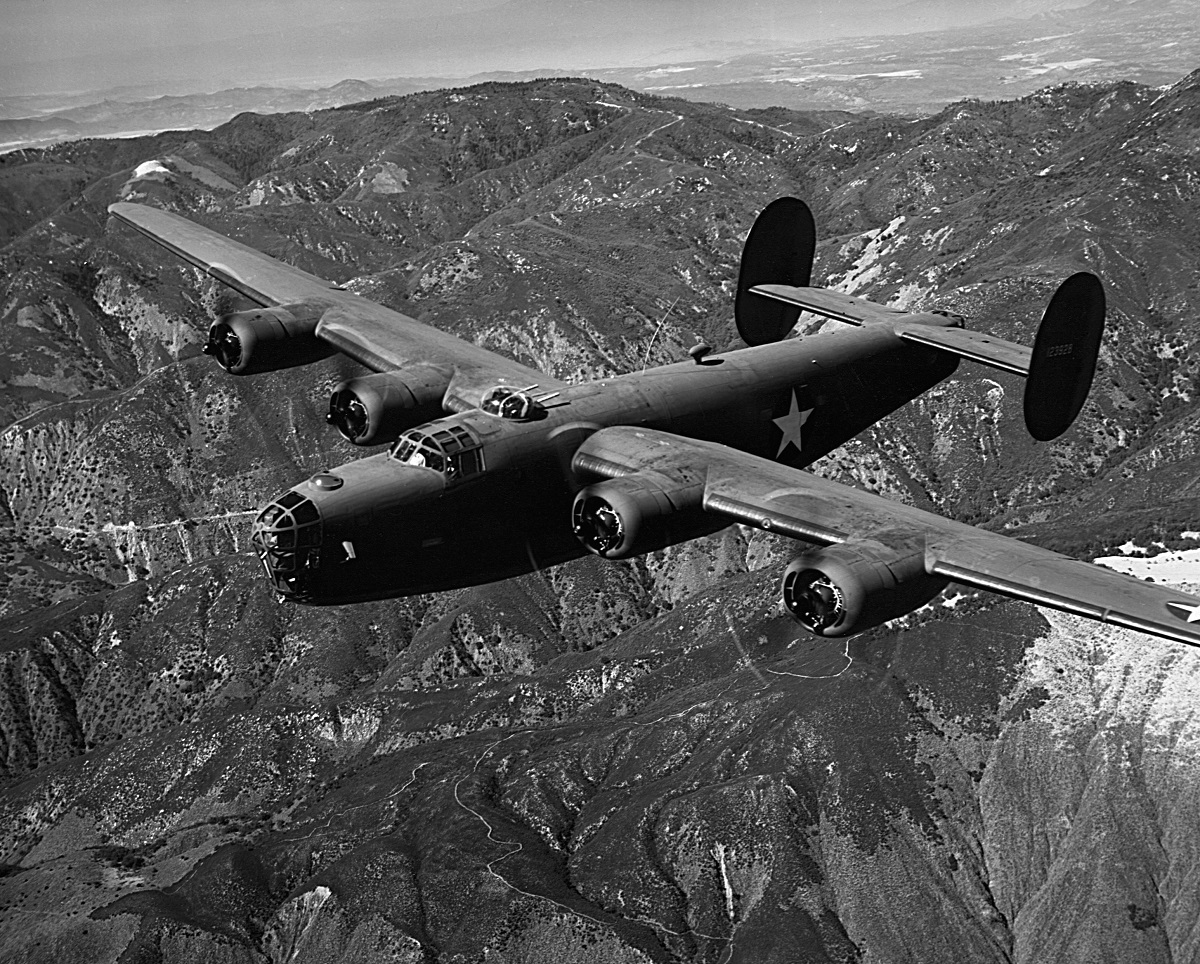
(606, 762)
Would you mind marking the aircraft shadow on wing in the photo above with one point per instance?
(494, 469)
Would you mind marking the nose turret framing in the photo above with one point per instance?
(287, 540)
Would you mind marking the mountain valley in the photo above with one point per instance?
(636, 761)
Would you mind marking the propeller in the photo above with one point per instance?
(813, 599)
(224, 345)
(598, 525)
(348, 415)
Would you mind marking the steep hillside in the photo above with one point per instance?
(602, 762)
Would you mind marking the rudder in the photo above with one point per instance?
(778, 250)
(1064, 356)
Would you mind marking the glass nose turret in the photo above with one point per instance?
(287, 540)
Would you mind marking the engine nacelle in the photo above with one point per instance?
(374, 409)
(624, 517)
(267, 339)
(846, 589)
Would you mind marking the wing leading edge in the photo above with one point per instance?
(766, 495)
(974, 345)
(377, 337)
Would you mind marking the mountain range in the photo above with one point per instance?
(1152, 42)
(604, 761)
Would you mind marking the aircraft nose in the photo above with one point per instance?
(287, 541)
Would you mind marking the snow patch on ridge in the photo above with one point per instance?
(153, 170)
(150, 169)
(1171, 567)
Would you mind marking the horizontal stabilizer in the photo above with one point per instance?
(974, 345)
(924, 328)
(831, 304)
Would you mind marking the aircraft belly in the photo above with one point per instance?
(481, 532)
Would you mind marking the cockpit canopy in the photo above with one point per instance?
(512, 403)
(450, 449)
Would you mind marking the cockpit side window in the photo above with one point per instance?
(405, 446)
(468, 463)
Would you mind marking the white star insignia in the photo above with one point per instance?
(790, 425)
(1184, 611)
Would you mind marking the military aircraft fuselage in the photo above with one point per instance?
(475, 497)
(516, 476)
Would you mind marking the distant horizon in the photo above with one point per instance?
(63, 47)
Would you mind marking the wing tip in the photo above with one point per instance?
(126, 212)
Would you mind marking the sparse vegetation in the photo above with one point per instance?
(613, 761)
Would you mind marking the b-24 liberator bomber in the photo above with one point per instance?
(494, 469)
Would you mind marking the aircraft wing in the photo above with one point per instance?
(375, 336)
(795, 503)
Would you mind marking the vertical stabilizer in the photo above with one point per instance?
(779, 251)
(1064, 356)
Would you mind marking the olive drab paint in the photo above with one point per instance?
(497, 469)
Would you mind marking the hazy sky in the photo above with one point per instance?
(191, 45)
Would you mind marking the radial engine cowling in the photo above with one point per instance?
(846, 589)
(374, 409)
(633, 514)
(267, 339)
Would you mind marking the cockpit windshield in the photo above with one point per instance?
(451, 450)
